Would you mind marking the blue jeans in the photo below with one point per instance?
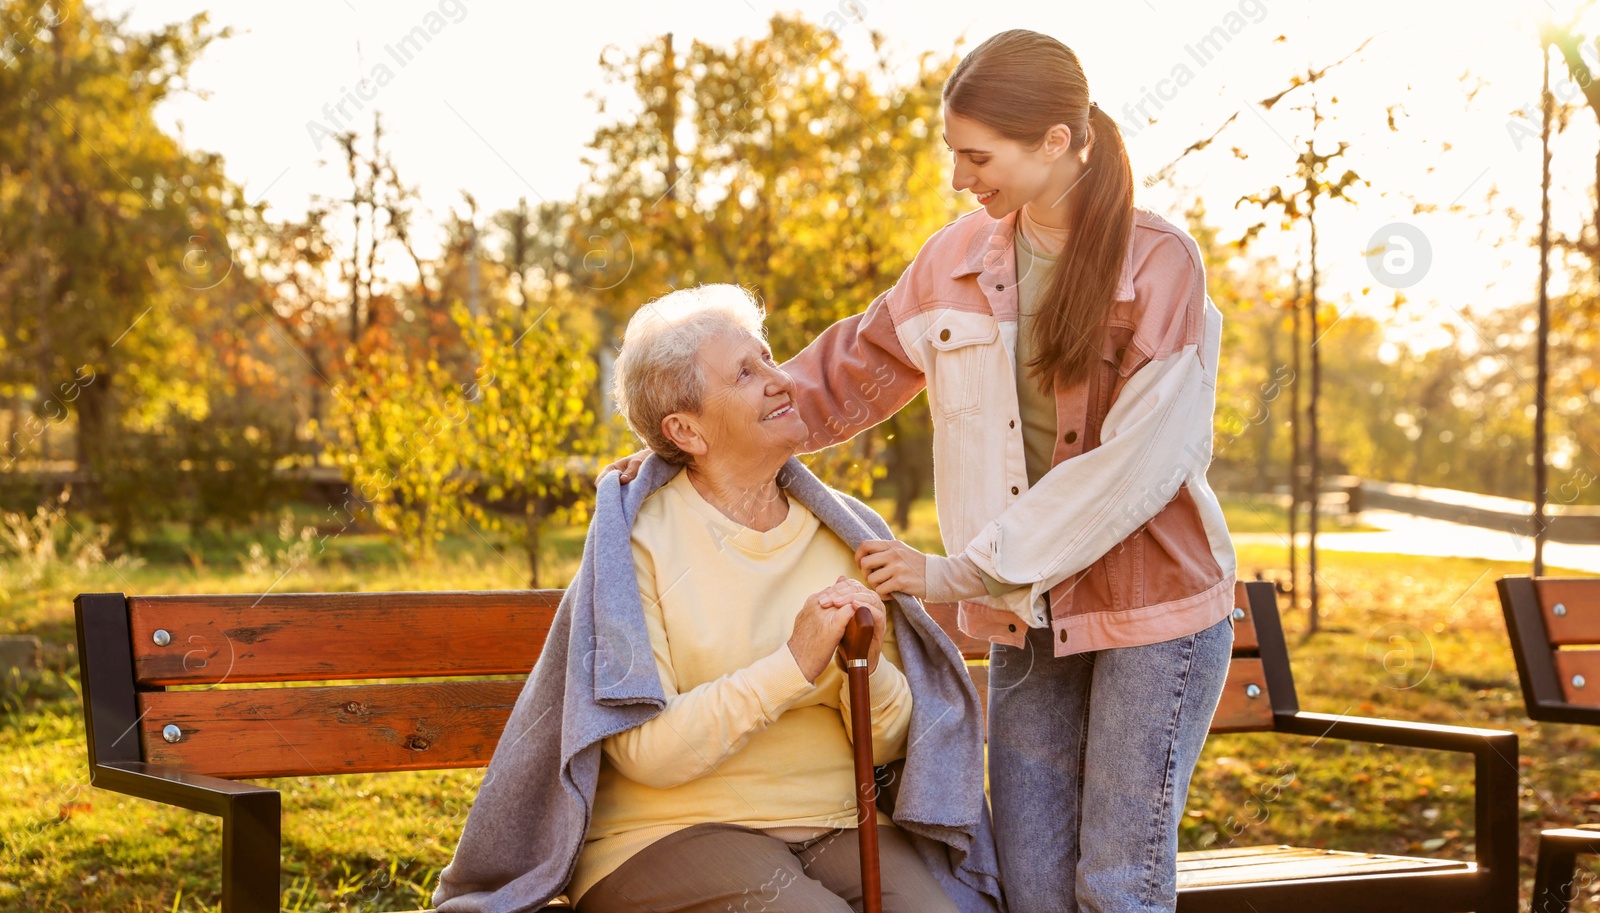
(1090, 758)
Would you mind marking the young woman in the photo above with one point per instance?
(1070, 354)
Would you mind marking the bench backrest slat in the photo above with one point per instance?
(1579, 671)
(1577, 620)
(1246, 704)
(1244, 622)
(1238, 710)
(215, 644)
(329, 636)
(1554, 625)
(339, 729)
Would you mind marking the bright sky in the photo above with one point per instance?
(498, 104)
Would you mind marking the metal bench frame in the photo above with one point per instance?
(1490, 884)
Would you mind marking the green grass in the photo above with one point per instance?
(357, 842)
(1269, 514)
(1245, 514)
(377, 842)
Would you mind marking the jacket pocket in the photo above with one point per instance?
(961, 342)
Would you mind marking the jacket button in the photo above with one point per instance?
(944, 335)
(1013, 423)
(1063, 635)
(1070, 436)
(1012, 628)
(1001, 287)
(1013, 489)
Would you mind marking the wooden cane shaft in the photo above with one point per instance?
(866, 791)
(856, 642)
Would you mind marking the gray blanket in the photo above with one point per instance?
(597, 677)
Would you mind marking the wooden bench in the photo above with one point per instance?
(189, 747)
(170, 717)
(1554, 624)
(1260, 697)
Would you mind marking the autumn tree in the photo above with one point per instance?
(1577, 316)
(294, 262)
(1315, 180)
(776, 165)
(120, 280)
(1580, 54)
(395, 424)
(531, 442)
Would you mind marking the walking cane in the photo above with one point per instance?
(857, 641)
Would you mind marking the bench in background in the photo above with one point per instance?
(1554, 625)
(1260, 696)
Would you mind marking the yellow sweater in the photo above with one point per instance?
(744, 738)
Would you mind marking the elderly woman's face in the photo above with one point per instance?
(748, 407)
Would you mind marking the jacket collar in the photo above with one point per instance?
(989, 251)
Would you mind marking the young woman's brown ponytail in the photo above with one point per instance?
(1020, 84)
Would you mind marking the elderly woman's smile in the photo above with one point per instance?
(699, 384)
(749, 401)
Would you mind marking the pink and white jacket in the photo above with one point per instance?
(1123, 533)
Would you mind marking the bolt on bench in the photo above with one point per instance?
(189, 748)
(1554, 624)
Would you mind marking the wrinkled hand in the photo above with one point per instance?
(628, 466)
(892, 566)
(849, 593)
(817, 632)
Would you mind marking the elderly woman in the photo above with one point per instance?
(748, 772)
(724, 780)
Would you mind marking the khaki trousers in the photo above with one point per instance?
(725, 868)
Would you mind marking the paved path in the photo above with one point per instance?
(1403, 534)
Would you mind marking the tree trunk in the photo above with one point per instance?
(1314, 441)
(317, 382)
(907, 481)
(96, 423)
(1540, 488)
(14, 446)
(534, 520)
(1268, 427)
(352, 159)
(1569, 44)
(94, 418)
(1295, 456)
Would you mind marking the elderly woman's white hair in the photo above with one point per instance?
(658, 372)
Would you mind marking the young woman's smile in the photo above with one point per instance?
(1003, 174)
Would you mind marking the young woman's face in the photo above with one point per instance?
(1001, 173)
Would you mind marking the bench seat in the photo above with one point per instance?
(1246, 865)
